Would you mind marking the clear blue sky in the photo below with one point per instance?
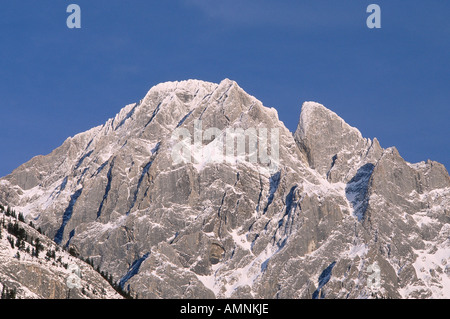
(391, 83)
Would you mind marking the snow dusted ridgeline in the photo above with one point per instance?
(44, 274)
(336, 204)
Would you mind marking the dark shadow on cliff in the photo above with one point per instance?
(357, 189)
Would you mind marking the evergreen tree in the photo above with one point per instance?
(22, 245)
(51, 254)
(13, 293)
(73, 252)
(38, 247)
(8, 293)
(16, 230)
(11, 241)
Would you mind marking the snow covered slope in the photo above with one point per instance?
(49, 273)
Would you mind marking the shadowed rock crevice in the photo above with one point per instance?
(274, 183)
(324, 278)
(357, 190)
(67, 215)
(133, 270)
(109, 177)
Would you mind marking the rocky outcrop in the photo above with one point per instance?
(333, 148)
(322, 214)
(49, 273)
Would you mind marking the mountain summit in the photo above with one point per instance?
(168, 199)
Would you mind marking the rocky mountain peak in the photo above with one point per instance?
(329, 143)
(326, 203)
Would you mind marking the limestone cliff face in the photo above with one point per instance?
(333, 148)
(313, 220)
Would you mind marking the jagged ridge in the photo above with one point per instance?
(245, 229)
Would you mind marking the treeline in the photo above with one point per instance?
(12, 213)
(21, 236)
(14, 229)
(108, 277)
(8, 293)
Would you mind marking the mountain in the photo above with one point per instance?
(170, 200)
(33, 267)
